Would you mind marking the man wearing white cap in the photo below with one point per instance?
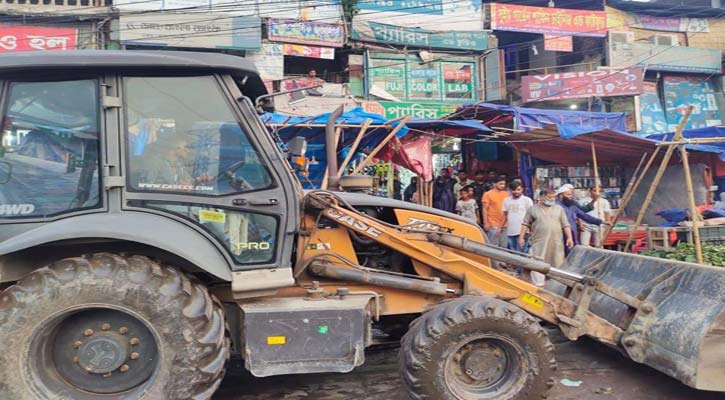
(565, 198)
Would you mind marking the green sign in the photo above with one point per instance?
(395, 109)
(384, 33)
(447, 78)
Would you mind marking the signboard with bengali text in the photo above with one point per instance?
(385, 33)
(29, 38)
(314, 33)
(558, 43)
(552, 21)
(394, 109)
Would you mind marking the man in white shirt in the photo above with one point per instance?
(591, 235)
(514, 210)
(463, 181)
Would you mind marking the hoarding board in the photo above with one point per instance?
(422, 110)
(574, 85)
(684, 91)
(437, 15)
(665, 58)
(210, 31)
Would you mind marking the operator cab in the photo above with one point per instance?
(168, 133)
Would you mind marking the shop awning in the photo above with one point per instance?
(568, 124)
(701, 133)
(612, 147)
(448, 127)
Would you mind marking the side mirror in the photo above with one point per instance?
(6, 172)
(297, 146)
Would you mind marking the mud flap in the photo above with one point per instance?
(679, 326)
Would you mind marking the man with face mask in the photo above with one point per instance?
(546, 221)
(565, 198)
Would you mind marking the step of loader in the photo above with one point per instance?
(679, 327)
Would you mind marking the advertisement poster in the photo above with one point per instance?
(29, 38)
(314, 33)
(300, 50)
(575, 85)
(650, 110)
(384, 33)
(558, 43)
(435, 15)
(684, 91)
(552, 21)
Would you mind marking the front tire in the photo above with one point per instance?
(477, 348)
(107, 326)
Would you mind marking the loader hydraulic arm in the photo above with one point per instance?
(437, 250)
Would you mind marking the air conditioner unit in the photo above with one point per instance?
(664, 40)
(621, 37)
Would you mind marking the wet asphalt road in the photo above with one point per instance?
(603, 374)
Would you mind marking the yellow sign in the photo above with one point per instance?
(532, 300)
(212, 216)
(276, 340)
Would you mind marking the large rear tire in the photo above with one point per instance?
(476, 348)
(107, 326)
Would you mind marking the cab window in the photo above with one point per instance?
(49, 146)
(182, 136)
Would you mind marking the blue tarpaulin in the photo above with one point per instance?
(569, 124)
(701, 133)
(449, 127)
(316, 136)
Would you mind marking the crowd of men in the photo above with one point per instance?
(548, 229)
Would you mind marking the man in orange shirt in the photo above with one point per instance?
(492, 204)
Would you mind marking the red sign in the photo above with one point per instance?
(553, 21)
(29, 38)
(575, 85)
(455, 74)
(558, 43)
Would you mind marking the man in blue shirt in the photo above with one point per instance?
(565, 198)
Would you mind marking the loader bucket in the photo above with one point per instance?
(678, 328)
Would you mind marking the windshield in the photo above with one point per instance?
(182, 136)
(49, 151)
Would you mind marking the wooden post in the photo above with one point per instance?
(694, 215)
(353, 147)
(380, 145)
(597, 186)
(657, 178)
(326, 177)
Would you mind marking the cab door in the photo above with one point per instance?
(196, 153)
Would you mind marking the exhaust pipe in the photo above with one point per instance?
(331, 148)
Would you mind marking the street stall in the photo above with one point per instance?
(587, 149)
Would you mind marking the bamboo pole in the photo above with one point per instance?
(693, 141)
(694, 215)
(597, 187)
(380, 145)
(353, 147)
(657, 178)
(629, 193)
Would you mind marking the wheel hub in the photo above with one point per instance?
(103, 353)
(483, 363)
